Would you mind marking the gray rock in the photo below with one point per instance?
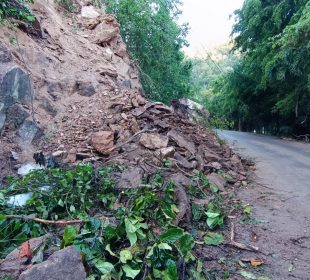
(13, 264)
(65, 264)
(2, 115)
(217, 180)
(29, 132)
(84, 88)
(16, 115)
(130, 178)
(15, 85)
(5, 54)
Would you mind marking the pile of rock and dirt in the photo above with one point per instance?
(71, 92)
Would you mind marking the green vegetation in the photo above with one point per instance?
(122, 234)
(268, 87)
(154, 40)
(16, 9)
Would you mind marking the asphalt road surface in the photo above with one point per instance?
(281, 199)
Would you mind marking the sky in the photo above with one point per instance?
(209, 22)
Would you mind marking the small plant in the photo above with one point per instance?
(16, 9)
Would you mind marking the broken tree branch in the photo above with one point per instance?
(238, 245)
(42, 221)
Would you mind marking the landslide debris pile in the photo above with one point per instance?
(131, 190)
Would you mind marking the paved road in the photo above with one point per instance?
(279, 162)
(283, 167)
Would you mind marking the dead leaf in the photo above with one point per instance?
(254, 262)
(25, 250)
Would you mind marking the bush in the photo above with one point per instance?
(16, 9)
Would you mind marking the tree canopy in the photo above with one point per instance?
(154, 39)
(270, 85)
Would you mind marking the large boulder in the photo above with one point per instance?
(15, 87)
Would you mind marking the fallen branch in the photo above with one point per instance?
(238, 245)
(42, 221)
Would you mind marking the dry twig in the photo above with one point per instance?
(240, 245)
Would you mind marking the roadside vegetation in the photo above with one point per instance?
(267, 88)
(155, 41)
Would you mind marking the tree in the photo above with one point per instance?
(155, 40)
(272, 79)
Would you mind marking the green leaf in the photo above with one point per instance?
(131, 273)
(125, 255)
(132, 237)
(213, 239)
(171, 235)
(61, 203)
(248, 275)
(186, 243)
(171, 273)
(108, 248)
(72, 208)
(216, 221)
(130, 228)
(70, 234)
(2, 217)
(263, 278)
(214, 188)
(247, 210)
(2, 199)
(212, 215)
(104, 267)
(164, 246)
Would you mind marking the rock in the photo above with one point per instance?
(217, 180)
(15, 155)
(5, 54)
(84, 88)
(89, 12)
(104, 34)
(210, 156)
(183, 162)
(189, 109)
(214, 165)
(16, 115)
(60, 154)
(103, 141)
(27, 168)
(29, 132)
(130, 178)
(153, 141)
(15, 85)
(13, 264)
(65, 264)
(71, 158)
(181, 141)
(181, 179)
(108, 70)
(165, 153)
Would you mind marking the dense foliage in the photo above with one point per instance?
(128, 234)
(16, 9)
(270, 86)
(154, 39)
